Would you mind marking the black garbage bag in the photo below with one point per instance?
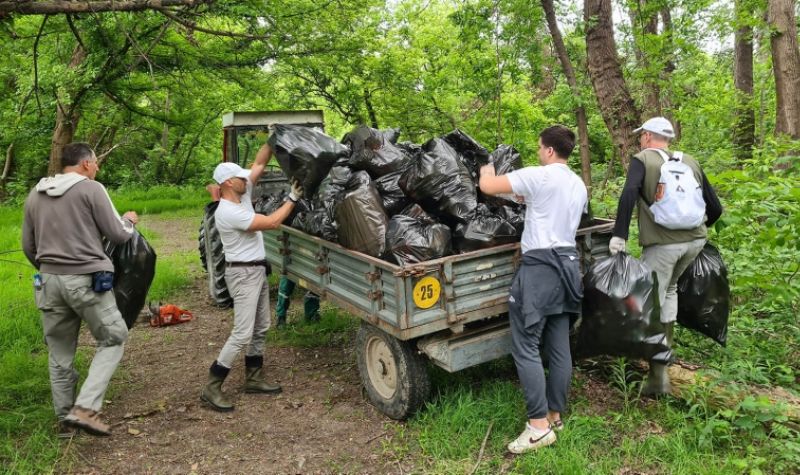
(134, 268)
(472, 154)
(410, 240)
(362, 221)
(317, 222)
(394, 200)
(340, 174)
(484, 229)
(358, 179)
(412, 150)
(375, 151)
(440, 183)
(415, 211)
(704, 295)
(621, 316)
(328, 194)
(514, 214)
(305, 154)
(506, 159)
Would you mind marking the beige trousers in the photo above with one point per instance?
(65, 301)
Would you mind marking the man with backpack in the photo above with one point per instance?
(676, 204)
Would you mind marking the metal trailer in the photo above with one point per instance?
(452, 310)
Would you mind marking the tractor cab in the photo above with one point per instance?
(243, 133)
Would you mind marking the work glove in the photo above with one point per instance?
(616, 245)
(296, 192)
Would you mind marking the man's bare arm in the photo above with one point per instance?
(260, 163)
(273, 221)
(492, 184)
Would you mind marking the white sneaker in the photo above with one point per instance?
(531, 439)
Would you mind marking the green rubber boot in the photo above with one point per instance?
(254, 378)
(285, 289)
(657, 382)
(212, 392)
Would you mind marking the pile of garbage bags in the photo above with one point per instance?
(398, 201)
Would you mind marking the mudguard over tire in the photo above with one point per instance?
(393, 372)
(213, 258)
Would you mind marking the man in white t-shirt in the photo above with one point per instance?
(240, 229)
(546, 291)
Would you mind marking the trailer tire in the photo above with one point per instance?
(394, 374)
(213, 258)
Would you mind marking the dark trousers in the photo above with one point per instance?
(551, 333)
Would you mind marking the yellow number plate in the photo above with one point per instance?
(426, 292)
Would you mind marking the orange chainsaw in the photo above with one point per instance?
(165, 315)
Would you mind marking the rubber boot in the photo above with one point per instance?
(285, 289)
(212, 392)
(657, 382)
(311, 307)
(254, 379)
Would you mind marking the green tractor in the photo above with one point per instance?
(243, 134)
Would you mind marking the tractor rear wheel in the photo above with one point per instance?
(213, 258)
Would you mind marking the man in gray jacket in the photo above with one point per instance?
(66, 218)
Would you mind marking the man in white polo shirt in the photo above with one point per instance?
(547, 289)
(240, 229)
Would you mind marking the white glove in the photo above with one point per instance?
(296, 192)
(616, 245)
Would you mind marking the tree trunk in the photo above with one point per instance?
(744, 129)
(645, 26)
(67, 116)
(785, 66)
(669, 67)
(569, 72)
(373, 118)
(616, 105)
(6, 169)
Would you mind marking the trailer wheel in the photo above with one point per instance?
(394, 374)
(213, 258)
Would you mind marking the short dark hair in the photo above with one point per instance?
(75, 153)
(561, 138)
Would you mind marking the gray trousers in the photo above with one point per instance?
(251, 320)
(65, 301)
(669, 261)
(542, 394)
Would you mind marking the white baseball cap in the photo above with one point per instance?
(228, 170)
(658, 125)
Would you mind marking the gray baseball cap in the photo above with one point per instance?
(658, 125)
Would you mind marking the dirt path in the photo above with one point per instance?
(321, 423)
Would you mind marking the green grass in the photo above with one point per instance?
(27, 422)
(334, 328)
(160, 200)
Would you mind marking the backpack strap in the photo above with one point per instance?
(677, 156)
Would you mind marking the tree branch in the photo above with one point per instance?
(36, 63)
(75, 32)
(193, 26)
(64, 6)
